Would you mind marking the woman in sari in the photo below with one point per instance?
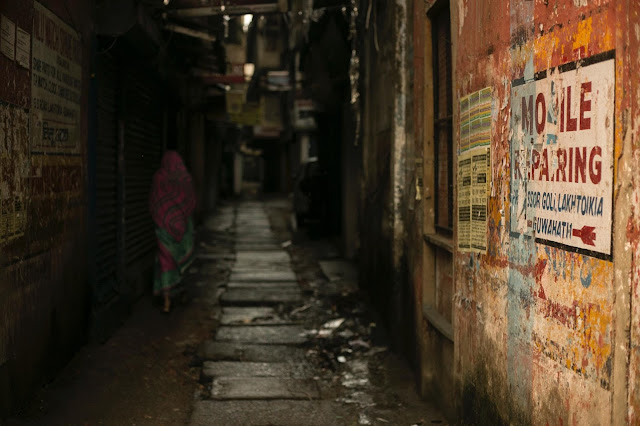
(172, 203)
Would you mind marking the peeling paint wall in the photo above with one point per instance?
(628, 207)
(43, 279)
(540, 329)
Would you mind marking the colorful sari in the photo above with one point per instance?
(172, 203)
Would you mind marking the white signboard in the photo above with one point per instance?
(7, 37)
(562, 157)
(55, 85)
(23, 48)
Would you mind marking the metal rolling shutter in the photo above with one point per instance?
(106, 179)
(142, 152)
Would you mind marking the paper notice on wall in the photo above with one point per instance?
(464, 201)
(23, 48)
(56, 85)
(14, 167)
(475, 119)
(474, 170)
(7, 37)
(464, 124)
(480, 178)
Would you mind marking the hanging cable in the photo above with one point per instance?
(113, 43)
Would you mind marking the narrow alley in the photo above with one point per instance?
(403, 212)
(275, 332)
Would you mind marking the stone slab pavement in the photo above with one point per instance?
(265, 366)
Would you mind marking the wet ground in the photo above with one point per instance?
(276, 333)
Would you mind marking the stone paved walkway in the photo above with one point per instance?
(262, 367)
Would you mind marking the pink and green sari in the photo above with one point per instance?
(172, 203)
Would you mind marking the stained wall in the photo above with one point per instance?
(541, 321)
(43, 278)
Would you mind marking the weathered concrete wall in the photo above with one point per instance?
(376, 227)
(541, 329)
(43, 279)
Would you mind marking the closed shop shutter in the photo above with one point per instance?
(106, 176)
(142, 153)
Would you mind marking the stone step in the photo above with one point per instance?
(265, 388)
(283, 286)
(260, 267)
(263, 276)
(262, 334)
(251, 316)
(256, 297)
(256, 239)
(217, 369)
(283, 412)
(261, 256)
(234, 351)
(258, 247)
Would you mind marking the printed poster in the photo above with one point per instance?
(480, 178)
(464, 201)
(475, 119)
(474, 170)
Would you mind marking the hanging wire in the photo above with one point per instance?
(113, 43)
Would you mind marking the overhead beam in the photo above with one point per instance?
(190, 32)
(197, 12)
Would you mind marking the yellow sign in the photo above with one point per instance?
(251, 115)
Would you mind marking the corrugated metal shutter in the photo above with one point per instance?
(106, 178)
(142, 152)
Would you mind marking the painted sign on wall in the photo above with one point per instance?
(562, 156)
(55, 84)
